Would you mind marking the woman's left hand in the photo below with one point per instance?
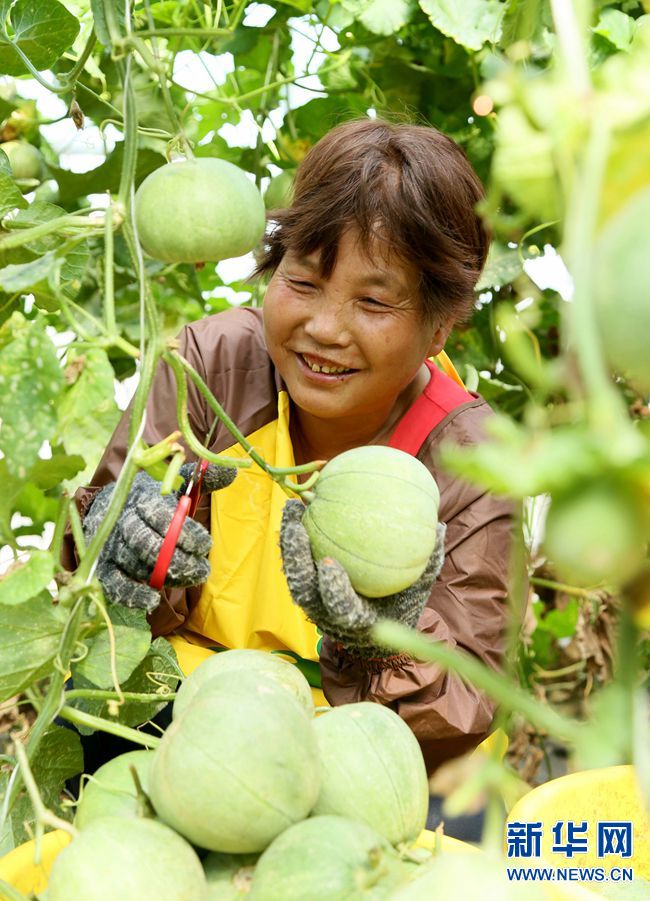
(324, 592)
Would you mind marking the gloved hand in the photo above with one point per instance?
(128, 557)
(324, 592)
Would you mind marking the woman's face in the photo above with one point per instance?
(366, 319)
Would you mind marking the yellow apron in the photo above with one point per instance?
(246, 602)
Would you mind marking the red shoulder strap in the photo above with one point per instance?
(441, 395)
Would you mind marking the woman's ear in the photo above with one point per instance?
(439, 338)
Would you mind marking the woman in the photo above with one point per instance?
(370, 268)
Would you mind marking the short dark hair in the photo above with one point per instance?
(409, 185)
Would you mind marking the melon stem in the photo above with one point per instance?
(181, 367)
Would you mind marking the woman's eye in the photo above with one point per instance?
(373, 302)
(300, 284)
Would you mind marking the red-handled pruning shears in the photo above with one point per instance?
(187, 503)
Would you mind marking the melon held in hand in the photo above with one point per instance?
(375, 510)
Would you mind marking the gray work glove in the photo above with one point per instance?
(128, 557)
(324, 592)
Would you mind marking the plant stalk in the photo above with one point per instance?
(179, 365)
(25, 235)
(96, 694)
(81, 718)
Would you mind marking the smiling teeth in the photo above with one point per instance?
(327, 369)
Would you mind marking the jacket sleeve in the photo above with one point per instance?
(467, 608)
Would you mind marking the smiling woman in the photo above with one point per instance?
(369, 268)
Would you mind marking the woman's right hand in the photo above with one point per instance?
(128, 557)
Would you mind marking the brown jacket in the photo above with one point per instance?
(467, 604)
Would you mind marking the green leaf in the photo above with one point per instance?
(88, 413)
(469, 22)
(523, 20)
(129, 616)
(30, 383)
(617, 27)
(158, 674)
(320, 115)
(10, 194)
(18, 277)
(29, 640)
(381, 16)
(99, 20)
(64, 278)
(23, 581)
(561, 623)
(35, 504)
(131, 646)
(48, 474)
(42, 29)
(502, 266)
(59, 758)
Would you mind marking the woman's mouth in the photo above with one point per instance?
(322, 371)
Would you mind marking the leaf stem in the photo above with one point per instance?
(182, 33)
(173, 360)
(180, 365)
(71, 77)
(62, 517)
(563, 587)
(109, 295)
(24, 235)
(77, 530)
(96, 694)
(81, 718)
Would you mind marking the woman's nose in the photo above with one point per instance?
(327, 322)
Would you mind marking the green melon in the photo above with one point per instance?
(111, 790)
(621, 290)
(372, 770)
(267, 665)
(127, 860)
(229, 876)
(375, 510)
(26, 163)
(198, 210)
(279, 193)
(238, 767)
(327, 857)
(596, 534)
